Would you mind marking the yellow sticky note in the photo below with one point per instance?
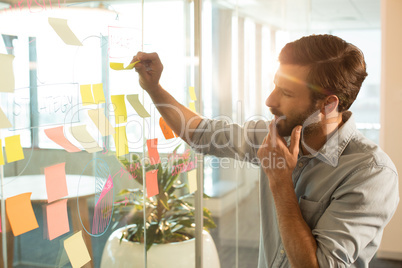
(120, 141)
(86, 95)
(1, 154)
(192, 93)
(101, 122)
(192, 106)
(135, 102)
(4, 123)
(120, 112)
(99, 95)
(13, 148)
(192, 180)
(60, 26)
(7, 81)
(20, 214)
(120, 66)
(81, 134)
(76, 250)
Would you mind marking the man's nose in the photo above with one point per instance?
(272, 100)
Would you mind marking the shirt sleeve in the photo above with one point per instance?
(221, 139)
(359, 210)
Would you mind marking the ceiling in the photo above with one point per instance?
(314, 15)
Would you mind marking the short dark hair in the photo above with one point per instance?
(336, 66)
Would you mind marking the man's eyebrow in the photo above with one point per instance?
(288, 91)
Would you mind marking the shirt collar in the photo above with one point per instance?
(336, 143)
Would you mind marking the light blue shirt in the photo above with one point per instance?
(347, 191)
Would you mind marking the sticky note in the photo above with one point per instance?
(192, 93)
(76, 250)
(99, 95)
(192, 106)
(192, 180)
(106, 188)
(120, 141)
(4, 123)
(13, 148)
(57, 135)
(135, 102)
(56, 185)
(1, 154)
(101, 122)
(152, 145)
(57, 219)
(7, 80)
(62, 29)
(120, 112)
(120, 66)
(20, 214)
(81, 134)
(152, 183)
(86, 95)
(166, 130)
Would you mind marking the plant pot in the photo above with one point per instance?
(173, 255)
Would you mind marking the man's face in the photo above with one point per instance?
(290, 101)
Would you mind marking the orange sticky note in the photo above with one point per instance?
(101, 122)
(192, 106)
(57, 135)
(192, 93)
(99, 95)
(13, 148)
(56, 185)
(192, 180)
(20, 214)
(1, 154)
(120, 141)
(120, 112)
(57, 219)
(86, 95)
(76, 250)
(152, 183)
(152, 145)
(166, 130)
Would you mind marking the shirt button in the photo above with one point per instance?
(282, 251)
(300, 165)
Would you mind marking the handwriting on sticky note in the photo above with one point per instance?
(20, 214)
(7, 80)
(57, 135)
(76, 250)
(120, 112)
(1, 154)
(81, 134)
(86, 95)
(120, 66)
(56, 185)
(166, 130)
(101, 122)
(99, 95)
(152, 145)
(62, 29)
(4, 122)
(192, 106)
(13, 148)
(120, 141)
(193, 96)
(106, 188)
(57, 219)
(138, 107)
(192, 180)
(152, 183)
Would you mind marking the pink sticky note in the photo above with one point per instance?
(57, 135)
(152, 183)
(56, 185)
(152, 145)
(57, 219)
(106, 188)
(20, 214)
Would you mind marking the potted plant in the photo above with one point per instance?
(169, 220)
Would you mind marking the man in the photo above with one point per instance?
(326, 192)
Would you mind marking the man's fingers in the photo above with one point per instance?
(295, 140)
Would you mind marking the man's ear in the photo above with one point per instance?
(330, 105)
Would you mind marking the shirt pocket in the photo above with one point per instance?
(311, 211)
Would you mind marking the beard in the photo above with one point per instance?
(308, 119)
